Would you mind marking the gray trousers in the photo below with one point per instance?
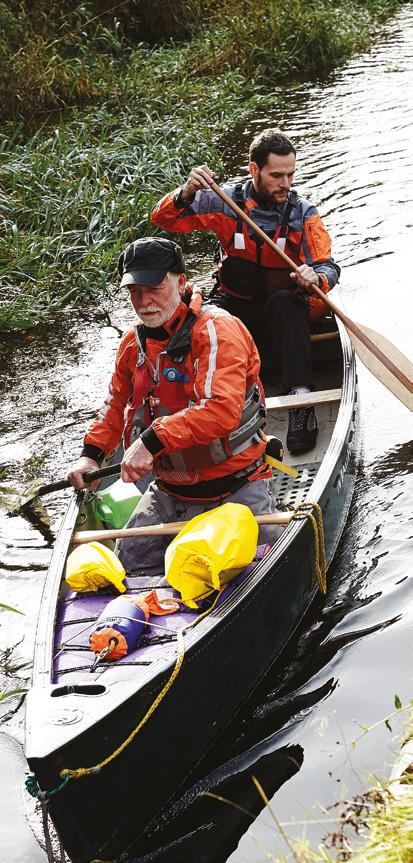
(144, 555)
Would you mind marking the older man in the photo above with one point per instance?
(255, 284)
(186, 399)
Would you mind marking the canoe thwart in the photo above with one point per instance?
(323, 337)
(171, 528)
(322, 397)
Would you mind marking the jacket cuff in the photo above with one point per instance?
(323, 283)
(150, 439)
(181, 204)
(89, 450)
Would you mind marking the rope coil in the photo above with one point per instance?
(313, 513)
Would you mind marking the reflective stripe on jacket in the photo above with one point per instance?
(209, 422)
(306, 239)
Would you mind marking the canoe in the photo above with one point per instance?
(78, 718)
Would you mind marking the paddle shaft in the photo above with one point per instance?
(173, 527)
(111, 470)
(348, 323)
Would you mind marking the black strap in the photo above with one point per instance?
(239, 195)
(287, 213)
(141, 333)
(240, 200)
(213, 488)
(180, 343)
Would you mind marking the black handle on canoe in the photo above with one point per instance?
(110, 470)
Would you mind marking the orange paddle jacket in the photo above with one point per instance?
(296, 226)
(195, 391)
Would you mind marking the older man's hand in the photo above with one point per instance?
(136, 462)
(76, 472)
(305, 277)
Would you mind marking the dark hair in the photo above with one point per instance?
(269, 141)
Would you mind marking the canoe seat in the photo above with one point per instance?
(322, 397)
(323, 337)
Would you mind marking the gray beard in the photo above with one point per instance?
(160, 318)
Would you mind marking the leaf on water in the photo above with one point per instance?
(13, 692)
(387, 724)
(397, 702)
(10, 608)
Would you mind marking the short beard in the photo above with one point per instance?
(161, 317)
(269, 196)
(158, 319)
(261, 189)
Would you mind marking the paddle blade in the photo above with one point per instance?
(37, 489)
(28, 497)
(384, 361)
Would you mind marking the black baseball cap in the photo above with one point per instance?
(147, 261)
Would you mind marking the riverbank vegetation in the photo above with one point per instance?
(376, 826)
(106, 106)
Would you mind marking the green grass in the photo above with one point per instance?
(391, 836)
(99, 124)
(390, 827)
(374, 827)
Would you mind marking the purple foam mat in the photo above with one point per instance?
(77, 613)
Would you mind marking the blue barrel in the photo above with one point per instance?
(119, 626)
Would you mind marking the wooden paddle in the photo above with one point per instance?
(381, 357)
(172, 527)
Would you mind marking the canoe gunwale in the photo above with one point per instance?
(44, 639)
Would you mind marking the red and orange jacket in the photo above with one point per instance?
(296, 226)
(197, 397)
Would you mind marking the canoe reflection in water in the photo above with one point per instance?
(201, 827)
(206, 829)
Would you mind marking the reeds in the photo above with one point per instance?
(71, 201)
(100, 124)
(391, 833)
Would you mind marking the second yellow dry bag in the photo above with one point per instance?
(91, 566)
(211, 550)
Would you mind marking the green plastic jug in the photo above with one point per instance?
(116, 503)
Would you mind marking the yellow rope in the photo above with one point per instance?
(313, 512)
(88, 771)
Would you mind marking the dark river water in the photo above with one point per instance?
(354, 134)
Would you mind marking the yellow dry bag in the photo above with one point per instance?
(211, 550)
(91, 566)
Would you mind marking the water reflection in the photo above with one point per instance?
(38, 517)
(398, 462)
(221, 806)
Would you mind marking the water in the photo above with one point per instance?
(354, 138)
